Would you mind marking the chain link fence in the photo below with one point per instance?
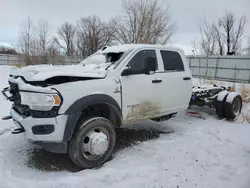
(22, 60)
(223, 68)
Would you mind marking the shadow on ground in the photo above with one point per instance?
(46, 161)
(204, 110)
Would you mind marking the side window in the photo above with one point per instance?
(172, 61)
(137, 62)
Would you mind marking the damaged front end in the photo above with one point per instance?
(7, 93)
(30, 101)
(49, 75)
(58, 80)
(35, 99)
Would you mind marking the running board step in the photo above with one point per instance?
(164, 118)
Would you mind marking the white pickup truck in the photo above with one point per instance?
(75, 109)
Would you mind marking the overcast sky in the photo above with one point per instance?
(185, 14)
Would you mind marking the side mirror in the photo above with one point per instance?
(127, 72)
(150, 65)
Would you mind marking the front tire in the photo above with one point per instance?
(93, 144)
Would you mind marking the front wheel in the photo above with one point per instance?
(93, 143)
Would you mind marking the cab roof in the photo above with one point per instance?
(128, 47)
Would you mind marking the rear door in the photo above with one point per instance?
(176, 87)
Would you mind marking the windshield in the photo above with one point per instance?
(102, 58)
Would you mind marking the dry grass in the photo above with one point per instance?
(245, 91)
(211, 82)
(18, 65)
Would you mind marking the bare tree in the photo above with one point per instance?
(219, 38)
(144, 21)
(52, 50)
(42, 36)
(248, 46)
(92, 34)
(67, 33)
(227, 33)
(208, 38)
(26, 36)
(26, 41)
(195, 47)
(233, 32)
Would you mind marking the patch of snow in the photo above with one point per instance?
(128, 47)
(118, 48)
(244, 117)
(42, 72)
(237, 86)
(96, 59)
(24, 86)
(198, 88)
(197, 81)
(222, 95)
(2, 131)
(198, 153)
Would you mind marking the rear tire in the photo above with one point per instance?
(220, 109)
(93, 144)
(232, 110)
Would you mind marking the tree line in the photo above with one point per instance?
(225, 36)
(142, 21)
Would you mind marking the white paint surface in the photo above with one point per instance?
(231, 96)
(222, 95)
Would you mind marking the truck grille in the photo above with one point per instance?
(14, 90)
(16, 98)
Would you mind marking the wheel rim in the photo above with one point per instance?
(95, 143)
(236, 106)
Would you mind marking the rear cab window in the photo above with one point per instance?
(172, 61)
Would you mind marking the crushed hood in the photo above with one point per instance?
(43, 72)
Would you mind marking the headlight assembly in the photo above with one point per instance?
(40, 101)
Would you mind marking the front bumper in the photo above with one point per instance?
(30, 125)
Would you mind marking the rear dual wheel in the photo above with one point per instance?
(93, 143)
(233, 108)
(229, 109)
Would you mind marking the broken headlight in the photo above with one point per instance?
(40, 101)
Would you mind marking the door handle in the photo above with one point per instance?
(156, 81)
(186, 78)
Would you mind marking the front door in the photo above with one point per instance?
(138, 90)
